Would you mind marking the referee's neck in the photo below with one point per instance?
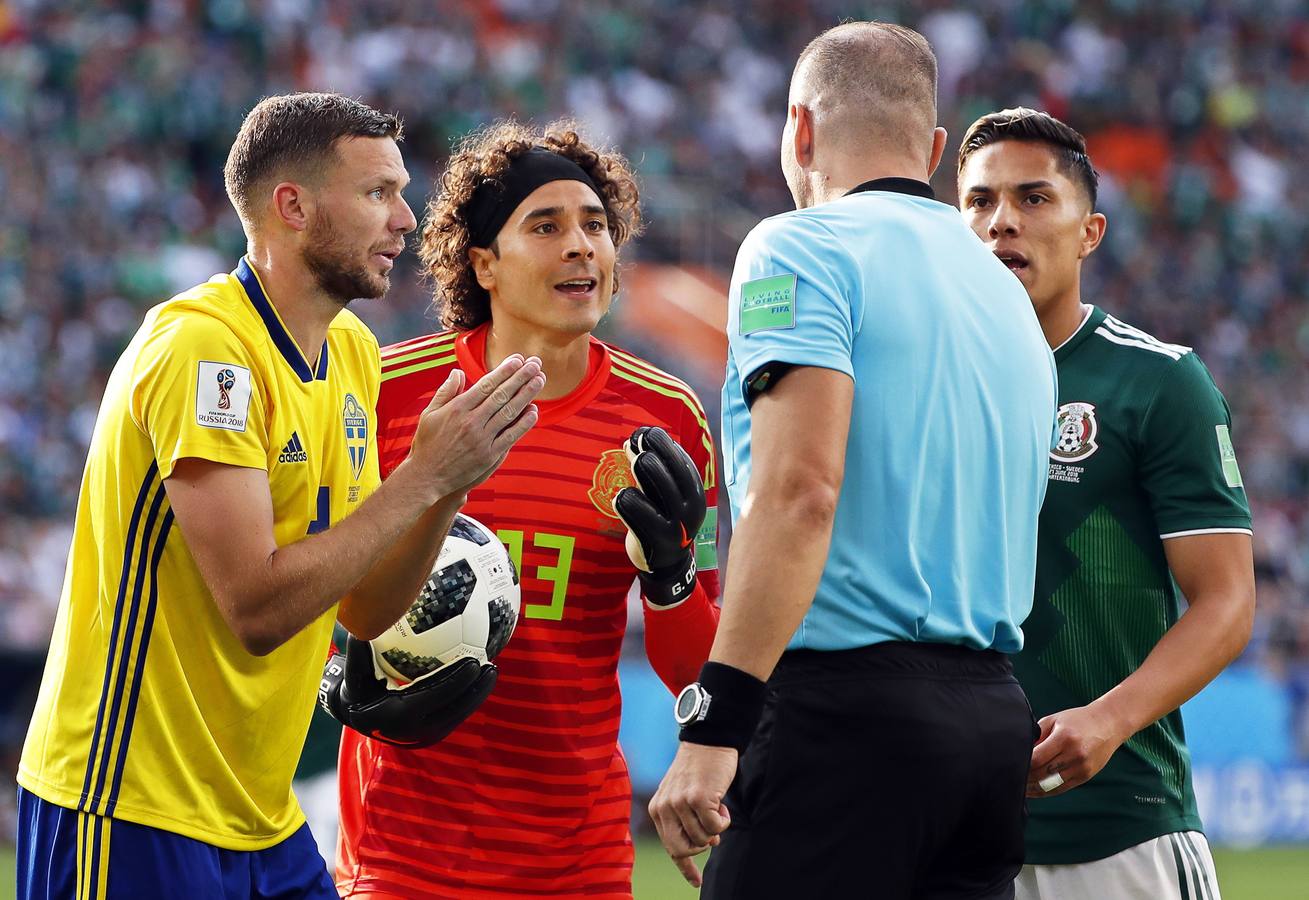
(827, 187)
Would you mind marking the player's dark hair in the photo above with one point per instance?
(461, 302)
(296, 134)
(1035, 127)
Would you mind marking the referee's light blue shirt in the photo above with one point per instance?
(954, 405)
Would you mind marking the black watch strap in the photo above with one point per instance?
(722, 709)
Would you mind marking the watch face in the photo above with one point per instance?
(687, 703)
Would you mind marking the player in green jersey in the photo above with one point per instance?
(1144, 507)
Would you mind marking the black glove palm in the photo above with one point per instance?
(663, 516)
(415, 716)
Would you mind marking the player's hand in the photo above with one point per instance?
(416, 716)
(1074, 745)
(688, 808)
(463, 436)
(662, 516)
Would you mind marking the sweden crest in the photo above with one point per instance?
(355, 422)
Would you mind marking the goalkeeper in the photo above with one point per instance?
(530, 796)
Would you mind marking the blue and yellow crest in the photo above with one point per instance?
(355, 420)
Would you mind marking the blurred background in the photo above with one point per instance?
(115, 119)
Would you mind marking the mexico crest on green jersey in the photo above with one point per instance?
(1077, 429)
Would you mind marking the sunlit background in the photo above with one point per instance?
(115, 119)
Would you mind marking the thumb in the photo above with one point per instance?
(449, 389)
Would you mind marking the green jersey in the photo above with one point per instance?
(1143, 454)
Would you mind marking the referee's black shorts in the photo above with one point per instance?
(890, 772)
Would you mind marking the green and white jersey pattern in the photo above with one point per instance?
(1143, 454)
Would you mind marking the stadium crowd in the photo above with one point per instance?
(115, 119)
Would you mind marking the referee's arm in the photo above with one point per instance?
(799, 428)
(798, 433)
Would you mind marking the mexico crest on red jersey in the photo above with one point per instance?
(1077, 429)
(612, 475)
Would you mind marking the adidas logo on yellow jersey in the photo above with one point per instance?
(294, 451)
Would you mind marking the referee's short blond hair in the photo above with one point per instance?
(869, 82)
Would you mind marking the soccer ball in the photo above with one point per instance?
(467, 607)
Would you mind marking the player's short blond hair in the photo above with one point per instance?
(461, 302)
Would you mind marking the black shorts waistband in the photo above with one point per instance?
(894, 658)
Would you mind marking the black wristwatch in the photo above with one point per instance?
(692, 704)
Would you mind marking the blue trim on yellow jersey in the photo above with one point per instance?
(282, 340)
(102, 782)
(150, 477)
(146, 630)
(115, 722)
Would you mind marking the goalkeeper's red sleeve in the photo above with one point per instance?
(678, 639)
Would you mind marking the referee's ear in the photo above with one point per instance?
(938, 150)
(802, 142)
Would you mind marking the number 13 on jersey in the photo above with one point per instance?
(557, 574)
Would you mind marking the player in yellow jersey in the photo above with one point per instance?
(225, 520)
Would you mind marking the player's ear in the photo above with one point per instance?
(290, 205)
(483, 260)
(1093, 229)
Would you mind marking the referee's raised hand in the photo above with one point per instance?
(688, 808)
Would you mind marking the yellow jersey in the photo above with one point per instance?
(150, 710)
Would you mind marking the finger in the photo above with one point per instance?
(636, 511)
(634, 446)
(697, 835)
(711, 822)
(1046, 750)
(510, 412)
(449, 389)
(360, 674)
(505, 440)
(677, 843)
(657, 483)
(690, 871)
(1035, 791)
(678, 462)
(1045, 726)
(496, 389)
(487, 385)
(667, 474)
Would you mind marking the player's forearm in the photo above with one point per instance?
(765, 601)
(386, 592)
(678, 639)
(301, 581)
(1209, 636)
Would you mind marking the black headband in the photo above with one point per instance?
(494, 200)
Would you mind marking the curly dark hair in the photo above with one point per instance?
(460, 302)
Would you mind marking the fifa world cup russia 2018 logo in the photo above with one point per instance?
(226, 378)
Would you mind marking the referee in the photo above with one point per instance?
(887, 414)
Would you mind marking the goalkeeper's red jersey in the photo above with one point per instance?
(530, 796)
